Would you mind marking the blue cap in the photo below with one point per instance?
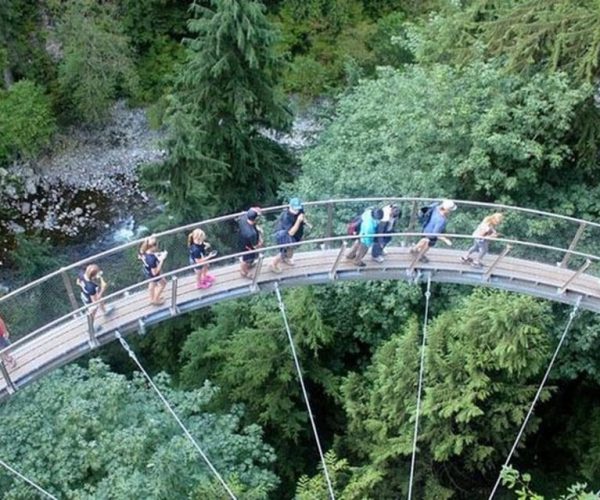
(296, 204)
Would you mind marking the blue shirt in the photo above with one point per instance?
(150, 262)
(88, 287)
(197, 252)
(437, 223)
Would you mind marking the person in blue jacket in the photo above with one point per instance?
(435, 226)
(368, 228)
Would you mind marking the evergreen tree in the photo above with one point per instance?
(225, 99)
(480, 377)
(97, 63)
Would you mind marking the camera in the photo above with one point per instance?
(162, 255)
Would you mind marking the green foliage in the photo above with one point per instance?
(315, 488)
(225, 96)
(34, 257)
(26, 121)
(514, 480)
(97, 64)
(89, 433)
(481, 360)
(22, 43)
(551, 35)
(493, 137)
(247, 351)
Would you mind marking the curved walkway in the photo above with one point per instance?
(67, 333)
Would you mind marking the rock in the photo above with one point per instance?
(78, 211)
(30, 185)
(25, 208)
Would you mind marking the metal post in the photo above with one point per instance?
(412, 221)
(92, 341)
(69, 287)
(254, 285)
(174, 308)
(490, 269)
(10, 387)
(576, 274)
(333, 271)
(573, 244)
(329, 229)
(141, 327)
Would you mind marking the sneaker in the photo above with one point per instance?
(275, 269)
(360, 264)
(289, 262)
(204, 284)
(466, 260)
(248, 276)
(109, 310)
(413, 251)
(210, 277)
(379, 259)
(98, 328)
(423, 259)
(477, 263)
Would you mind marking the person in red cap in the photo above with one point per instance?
(250, 239)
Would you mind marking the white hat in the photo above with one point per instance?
(448, 205)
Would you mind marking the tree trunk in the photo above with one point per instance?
(8, 77)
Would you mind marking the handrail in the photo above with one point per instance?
(175, 272)
(268, 210)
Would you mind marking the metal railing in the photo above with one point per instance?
(536, 235)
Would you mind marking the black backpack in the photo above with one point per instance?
(425, 213)
(353, 227)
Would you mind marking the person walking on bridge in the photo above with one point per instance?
(368, 228)
(250, 239)
(199, 254)
(486, 229)
(4, 343)
(290, 229)
(434, 226)
(92, 284)
(152, 262)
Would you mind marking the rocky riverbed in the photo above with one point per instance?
(89, 179)
(84, 193)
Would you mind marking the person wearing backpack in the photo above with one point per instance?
(387, 224)
(290, 229)
(369, 222)
(434, 221)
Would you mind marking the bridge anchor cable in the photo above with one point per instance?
(420, 388)
(28, 481)
(537, 395)
(133, 356)
(304, 393)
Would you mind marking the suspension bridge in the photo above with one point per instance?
(551, 256)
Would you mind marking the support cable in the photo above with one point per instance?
(28, 481)
(304, 393)
(166, 403)
(420, 387)
(537, 395)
